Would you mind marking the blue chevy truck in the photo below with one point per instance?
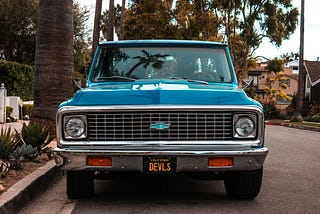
(162, 107)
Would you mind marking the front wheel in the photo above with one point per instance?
(243, 184)
(80, 184)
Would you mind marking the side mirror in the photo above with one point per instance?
(77, 84)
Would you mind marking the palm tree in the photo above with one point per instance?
(110, 21)
(300, 94)
(96, 26)
(123, 10)
(53, 60)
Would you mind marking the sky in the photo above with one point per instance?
(311, 32)
(311, 35)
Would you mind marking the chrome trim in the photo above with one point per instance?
(187, 161)
(158, 108)
(162, 125)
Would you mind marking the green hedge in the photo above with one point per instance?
(18, 79)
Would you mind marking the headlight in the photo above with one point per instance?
(245, 126)
(75, 127)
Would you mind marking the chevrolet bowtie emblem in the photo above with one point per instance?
(160, 125)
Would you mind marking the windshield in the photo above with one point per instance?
(179, 63)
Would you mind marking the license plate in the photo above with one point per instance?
(155, 164)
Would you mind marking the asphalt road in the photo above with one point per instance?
(290, 185)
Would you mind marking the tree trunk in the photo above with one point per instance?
(300, 94)
(123, 11)
(96, 26)
(110, 21)
(53, 60)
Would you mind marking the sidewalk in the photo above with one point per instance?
(296, 126)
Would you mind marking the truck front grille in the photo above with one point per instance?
(163, 126)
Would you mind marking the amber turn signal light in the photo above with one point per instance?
(99, 161)
(220, 162)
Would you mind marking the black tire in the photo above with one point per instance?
(80, 184)
(243, 184)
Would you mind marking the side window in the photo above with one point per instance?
(287, 82)
(254, 82)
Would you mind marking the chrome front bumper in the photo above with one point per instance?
(187, 161)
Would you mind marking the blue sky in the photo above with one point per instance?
(312, 32)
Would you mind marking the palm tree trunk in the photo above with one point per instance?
(111, 21)
(96, 26)
(123, 10)
(301, 87)
(53, 60)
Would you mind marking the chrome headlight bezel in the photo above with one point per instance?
(79, 123)
(245, 121)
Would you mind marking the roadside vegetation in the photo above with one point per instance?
(17, 148)
(311, 112)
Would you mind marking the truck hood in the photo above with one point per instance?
(156, 93)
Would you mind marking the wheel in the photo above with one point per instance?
(243, 184)
(80, 184)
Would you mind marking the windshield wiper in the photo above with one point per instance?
(189, 80)
(121, 78)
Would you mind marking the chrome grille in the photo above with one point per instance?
(135, 126)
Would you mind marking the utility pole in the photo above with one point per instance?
(301, 87)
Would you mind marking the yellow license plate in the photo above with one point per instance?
(155, 164)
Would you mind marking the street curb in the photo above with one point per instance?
(309, 128)
(20, 194)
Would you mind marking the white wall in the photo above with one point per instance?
(13, 102)
(3, 94)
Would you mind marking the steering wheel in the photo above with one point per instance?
(203, 76)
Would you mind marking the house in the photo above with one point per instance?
(293, 65)
(258, 79)
(312, 69)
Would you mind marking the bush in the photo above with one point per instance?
(291, 108)
(9, 110)
(313, 113)
(313, 118)
(24, 146)
(7, 143)
(270, 110)
(23, 153)
(9, 118)
(36, 135)
(313, 109)
(18, 79)
(27, 110)
(285, 115)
